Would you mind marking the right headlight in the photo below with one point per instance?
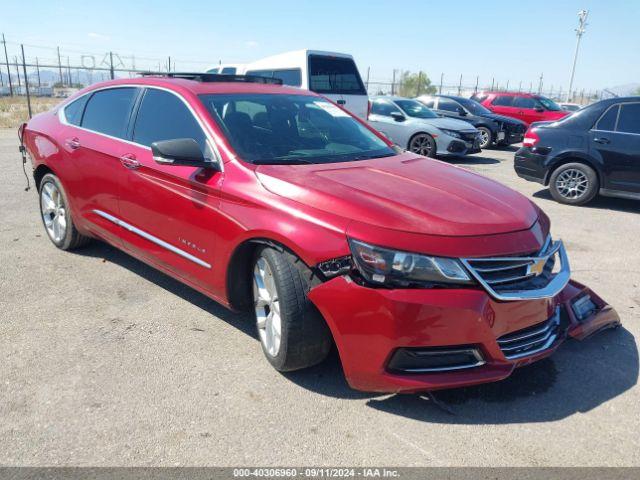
(451, 133)
(397, 268)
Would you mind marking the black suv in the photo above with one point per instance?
(494, 129)
(594, 150)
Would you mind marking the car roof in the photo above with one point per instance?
(513, 94)
(199, 88)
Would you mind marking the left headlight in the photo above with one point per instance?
(392, 267)
(451, 133)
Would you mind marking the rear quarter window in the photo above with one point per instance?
(335, 75)
(73, 111)
(629, 118)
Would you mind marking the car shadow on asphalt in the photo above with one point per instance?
(98, 249)
(579, 377)
(599, 203)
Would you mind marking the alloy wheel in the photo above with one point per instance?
(422, 144)
(267, 307)
(54, 212)
(485, 138)
(572, 184)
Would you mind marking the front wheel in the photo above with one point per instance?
(292, 332)
(485, 137)
(423, 144)
(573, 184)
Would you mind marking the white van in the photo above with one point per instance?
(227, 69)
(331, 74)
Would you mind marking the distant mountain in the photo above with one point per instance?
(621, 90)
(49, 77)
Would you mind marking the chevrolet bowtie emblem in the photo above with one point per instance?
(537, 266)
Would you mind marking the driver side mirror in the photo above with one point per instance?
(539, 109)
(398, 117)
(180, 151)
(462, 112)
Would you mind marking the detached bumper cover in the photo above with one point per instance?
(369, 325)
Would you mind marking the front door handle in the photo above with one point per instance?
(341, 102)
(73, 143)
(129, 161)
(602, 140)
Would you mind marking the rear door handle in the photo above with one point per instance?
(73, 143)
(341, 102)
(602, 140)
(129, 161)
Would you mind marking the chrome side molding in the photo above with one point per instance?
(152, 238)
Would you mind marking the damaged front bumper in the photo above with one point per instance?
(406, 340)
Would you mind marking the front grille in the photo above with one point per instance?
(434, 359)
(531, 340)
(518, 278)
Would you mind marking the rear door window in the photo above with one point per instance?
(523, 102)
(335, 75)
(164, 116)
(607, 122)
(448, 105)
(629, 119)
(228, 71)
(108, 111)
(503, 101)
(384, 108)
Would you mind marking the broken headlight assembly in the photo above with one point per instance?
(383, 266)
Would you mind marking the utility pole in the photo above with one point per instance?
(6, 59)
(582, 25)
(15, 59)
(60, 68)
(540, 83)
(26, 80)
(38, 72)
(393, 83)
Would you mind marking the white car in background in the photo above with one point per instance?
(227, 69)
(411, 125)
(570, 107)
(334, 75)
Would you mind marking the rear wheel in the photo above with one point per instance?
(574, 184)
(485, 137)
(292, 332)
(56, 215)
(423, 144)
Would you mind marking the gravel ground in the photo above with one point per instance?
(106, 362)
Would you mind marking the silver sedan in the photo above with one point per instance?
(411, 125)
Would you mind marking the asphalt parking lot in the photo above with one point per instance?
(106, 362)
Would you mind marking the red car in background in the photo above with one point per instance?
(276, 201)
(527, 107)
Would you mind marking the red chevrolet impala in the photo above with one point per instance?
(275, 200)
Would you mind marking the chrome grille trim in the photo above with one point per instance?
(479, 361)
(547, 334)
(497, 273)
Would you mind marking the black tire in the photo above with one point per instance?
(417, 145)
(486, 138)
(70, 239)
(574, 184)
(305, 338)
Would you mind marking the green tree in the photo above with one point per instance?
(415, 84)
(637, 92)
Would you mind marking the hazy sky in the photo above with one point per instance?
(509, 40)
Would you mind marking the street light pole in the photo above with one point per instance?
(582, 24)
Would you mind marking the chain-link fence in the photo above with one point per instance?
(42, 74)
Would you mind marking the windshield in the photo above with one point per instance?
(279, 129)
(474, 107)
(415, 109)
(549, 104)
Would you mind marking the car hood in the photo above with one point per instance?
(447, 123)
(407, 193)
